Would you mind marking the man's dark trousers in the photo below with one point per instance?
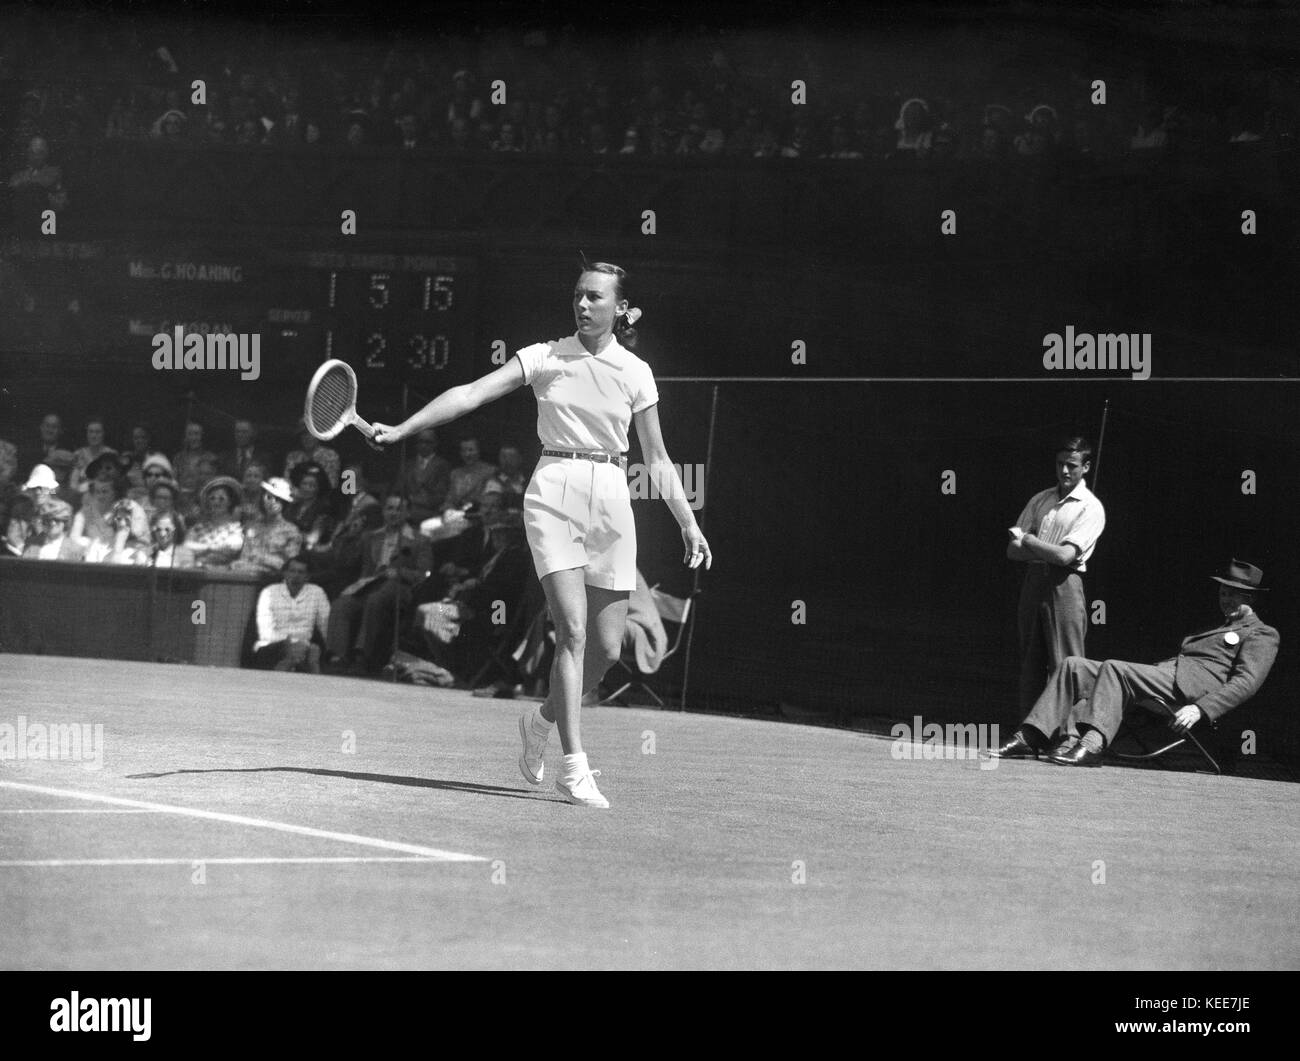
(1052, 620)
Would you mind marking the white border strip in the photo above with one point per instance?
(76, 810)
(40, 862)
(257, 823)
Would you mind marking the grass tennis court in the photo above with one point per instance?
(424, 848)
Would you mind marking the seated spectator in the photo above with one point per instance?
(41, 484)
(500, 577)
(141, 446)
(217, 538)
(1151, 134)
(457, 556)
(131, 542)
(312, 510)
(1042, 135)
(310, 448)
(510, 472)
(165, 550)
(21, 527)
(164, 498)
(91, 528)
(271, 540)
(36, 187)
(290, 614)
(913, 126)
(468, 478)
(93, 449)
(394, 560)
(250, 505)
(50, 435)
(186, 464)
(55, 517)
(426, 479)
(341, 564)
(60, 462)
(358, 496)
(233, 462)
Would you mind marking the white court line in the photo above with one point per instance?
(209, 861)
(257, 823)
(78, 810)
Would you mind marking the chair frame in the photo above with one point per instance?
(637, 680)
(1148, 753)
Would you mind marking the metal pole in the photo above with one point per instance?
(695, 583)
(397, 597)
(1101, 438)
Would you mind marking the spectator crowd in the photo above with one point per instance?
(699, 93)
(348, 564)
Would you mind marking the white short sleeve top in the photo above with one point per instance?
(586, 401)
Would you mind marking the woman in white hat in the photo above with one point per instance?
(217, 539)
(577, 509)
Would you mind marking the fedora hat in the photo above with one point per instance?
(1241, 575)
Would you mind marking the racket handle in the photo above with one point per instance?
(361, 425)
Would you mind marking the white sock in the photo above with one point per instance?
(575, 765)
(541, 728)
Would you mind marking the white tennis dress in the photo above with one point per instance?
(578, 513)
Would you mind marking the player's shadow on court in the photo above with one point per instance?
(352, 775)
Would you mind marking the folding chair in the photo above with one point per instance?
(1168, 709)
(671, 610)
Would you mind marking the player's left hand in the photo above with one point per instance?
(1185, 718)
(697, 549)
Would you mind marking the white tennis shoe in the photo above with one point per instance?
(582, 790)
(531, 763)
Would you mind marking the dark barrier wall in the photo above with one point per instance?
(119, 612)
(830, 494)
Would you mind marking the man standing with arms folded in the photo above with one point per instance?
(1054, 537)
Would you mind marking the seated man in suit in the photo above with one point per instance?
(426, 479)
(246, 451)
(1215, 670)
(394, 559)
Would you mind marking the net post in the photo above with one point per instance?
(695, 581)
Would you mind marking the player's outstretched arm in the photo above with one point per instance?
(454, 403)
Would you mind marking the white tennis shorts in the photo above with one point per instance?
(578, 513)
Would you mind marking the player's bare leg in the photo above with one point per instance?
(566, 594)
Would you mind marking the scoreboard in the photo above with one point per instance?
(406, 317)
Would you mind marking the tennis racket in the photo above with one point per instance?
(332, 402)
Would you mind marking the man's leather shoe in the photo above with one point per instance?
(1079, 755)
(1065, 744)
(1015, 748)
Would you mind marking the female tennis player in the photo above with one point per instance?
(577, 508)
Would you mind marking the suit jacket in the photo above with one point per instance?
(413, 566)
(425, 488)
(1221, 668)
(230, 463)
(69, 550)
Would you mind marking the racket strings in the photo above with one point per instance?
(331, 399)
